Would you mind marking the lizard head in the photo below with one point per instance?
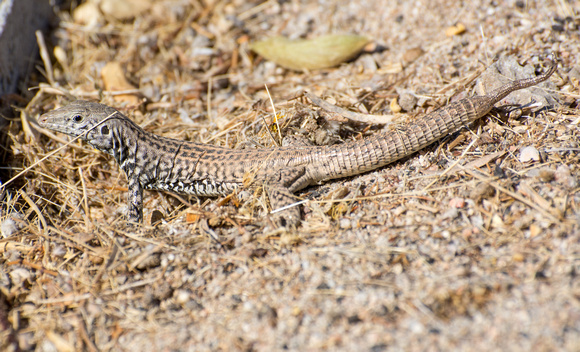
(91, 122)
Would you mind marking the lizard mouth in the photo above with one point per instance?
(47, 121)
(51, 120)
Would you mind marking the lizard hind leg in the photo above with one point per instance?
(280, 186)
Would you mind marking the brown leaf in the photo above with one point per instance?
(455, 30)
(114, 80)
(124, 9)
(87, 14)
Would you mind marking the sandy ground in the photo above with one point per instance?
(470, 244)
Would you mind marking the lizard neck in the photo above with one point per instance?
(126, 143)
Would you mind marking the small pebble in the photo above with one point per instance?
(58, 250)
(407, 100)
(482, 191)
(546, 175)
(497, 222)
(344, 223)
(412, 55)
(369, 63)
(19, 276)
(181, 296)
(564, 177)
(8, 227)
(535, 230)
(518, 257)
(457, 203)
(395, 107)
(87, 14)
(467, 233)
(451, 214)
(528, 154)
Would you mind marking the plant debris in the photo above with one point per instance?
(461, 246)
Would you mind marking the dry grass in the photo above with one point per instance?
(461, 246)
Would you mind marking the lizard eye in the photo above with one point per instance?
(105, 130)
(77, 118)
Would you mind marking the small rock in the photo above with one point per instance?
(58, 250)
(466, 233)
(8, 228)
(412, 55)
(451, 214)
(407, 100)
(528, 154)
(395, 107)
(244, 195)
(535, 230)
(564, 177)
(152, 261)
(497, 222)
(415, 326)
(344, 224)
(518, 257)
(181, 296)
(369, 63)
(19, 276)
(498, 172)
(482, 191)
(457, 202)
(546, 175)
(574, 73)
(215, 221)
(87, 14)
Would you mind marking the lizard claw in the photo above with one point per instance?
(287, 218)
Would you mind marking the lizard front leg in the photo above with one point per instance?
(135, 200)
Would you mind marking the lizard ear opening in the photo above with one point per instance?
(105, 130)
(77, 118)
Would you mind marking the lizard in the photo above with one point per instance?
(153, 162)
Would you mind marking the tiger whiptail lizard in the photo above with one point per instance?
(158, 163)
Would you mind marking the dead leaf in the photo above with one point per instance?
(124, 10)
(390, 68)
(351, 115)
(87, 14)
(60, 343)
(395, 107)
(191, 218)
(114, 80)
(455, 30)
(412, 55)
(475, 164)
(310, 54)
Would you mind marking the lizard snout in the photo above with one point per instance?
(44, 119)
